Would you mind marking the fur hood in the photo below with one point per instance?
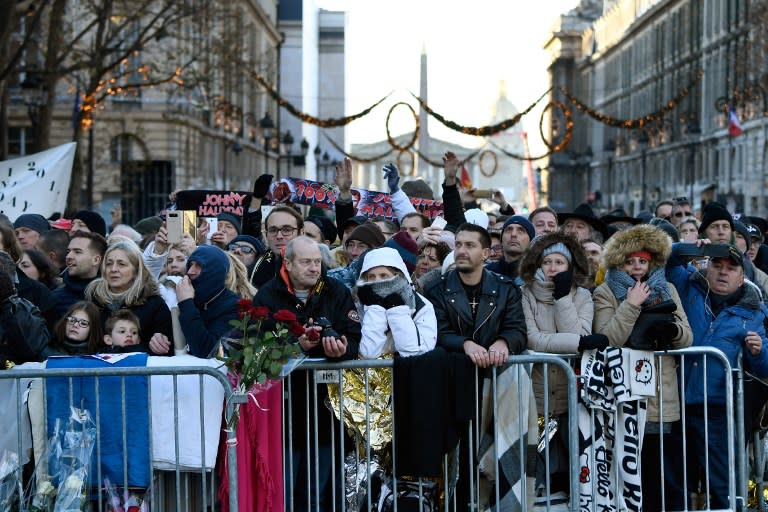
(532, 259)
(638, 238)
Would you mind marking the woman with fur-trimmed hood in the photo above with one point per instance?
(558, 315)
(635, 261)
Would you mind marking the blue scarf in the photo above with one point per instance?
(618, 281)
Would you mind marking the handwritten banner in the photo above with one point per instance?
(210, 203)
(37, 183)
(323, 195)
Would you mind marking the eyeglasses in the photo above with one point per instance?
(283, 230)
(496, 248)
(357, 245)
(245, 249)
(683, 214)
(71, 320)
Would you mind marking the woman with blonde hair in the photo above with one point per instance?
(237, 278)
(126, 283)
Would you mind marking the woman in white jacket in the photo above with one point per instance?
(395, 318)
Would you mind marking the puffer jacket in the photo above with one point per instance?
(616, 319)
(499, 314)
(555, 327)
(725, 332)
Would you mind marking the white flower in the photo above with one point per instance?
(73, 482)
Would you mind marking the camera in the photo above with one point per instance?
(328, 329)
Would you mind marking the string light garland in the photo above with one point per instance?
(553, 148)
(353, 157)
(333, 122)
(400, 164)
(481, 159)
(415, 136)
(479, 131)
(640, 122)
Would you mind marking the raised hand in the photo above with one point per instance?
(451, 163)
(343, 178)
(392, 175)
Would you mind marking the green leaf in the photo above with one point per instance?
(274, 369)
(235, 323)
(247, 356)
(262, 378)
(276, 353)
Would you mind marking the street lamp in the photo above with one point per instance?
(267, 125)
(642, 141)
(34, 93)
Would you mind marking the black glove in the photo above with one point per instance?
(7, 290)
(392, 300)
(593, 341)
(261, 186)
(664, 333)
(563, 282)
(392, 175)
(368, 297)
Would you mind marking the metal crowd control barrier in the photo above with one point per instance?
(182, 486)
(311, 378)
(319, 373)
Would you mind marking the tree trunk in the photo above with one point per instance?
(51, 74)
(75, 194)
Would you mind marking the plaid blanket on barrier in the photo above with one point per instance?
(611, 425)
(516, 444)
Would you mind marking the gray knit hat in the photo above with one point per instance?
(559, 248)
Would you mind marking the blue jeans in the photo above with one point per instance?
(697, 453)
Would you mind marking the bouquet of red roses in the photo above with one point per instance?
(260, 354)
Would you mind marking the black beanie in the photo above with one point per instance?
(739, 227)
(93, 220)
(368, 233)
(232, 219)
(712, 212)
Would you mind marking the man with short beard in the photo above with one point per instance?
(516, 236)
(478, 313)
(84, 254)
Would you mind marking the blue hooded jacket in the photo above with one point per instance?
(726, 331)
(205, 319)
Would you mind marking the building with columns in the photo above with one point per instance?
(628, 59)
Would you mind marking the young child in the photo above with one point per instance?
(78, 331)
(121, 333)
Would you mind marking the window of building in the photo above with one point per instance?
(20, 140)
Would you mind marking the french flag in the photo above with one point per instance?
(734, 126)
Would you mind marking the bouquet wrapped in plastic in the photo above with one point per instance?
(70, 458)
(128, 502)
(9, 480)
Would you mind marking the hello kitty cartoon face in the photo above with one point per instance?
(643, 371)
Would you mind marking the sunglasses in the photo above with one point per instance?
(683, 214)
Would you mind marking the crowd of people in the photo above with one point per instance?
(484, 284)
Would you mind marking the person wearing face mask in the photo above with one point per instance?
(635, 284)
(395, 318)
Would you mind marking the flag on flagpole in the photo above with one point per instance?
(464, 180)
(734, 126)
(76, 108)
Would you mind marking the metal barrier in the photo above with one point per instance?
(177, 480)
(334, 457)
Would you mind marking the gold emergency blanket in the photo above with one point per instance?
(379, 401)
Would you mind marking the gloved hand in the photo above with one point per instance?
(392, 300)
(7, 289)
(563, 282)
(664, 333)
(261, 186)
(368, 297)
(392, 175)
(593, 341)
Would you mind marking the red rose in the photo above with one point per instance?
(244, 305)
(297, 329)
(259, 312)
(284, 316)
(313, 334)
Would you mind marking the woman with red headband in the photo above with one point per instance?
(635, 307)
